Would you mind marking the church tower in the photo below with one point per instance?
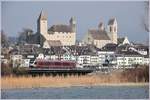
(42, 27)
(73, 24)
(101, 26)
(112, 30)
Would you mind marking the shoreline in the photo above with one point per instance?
(70, 81)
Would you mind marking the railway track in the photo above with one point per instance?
(47, 71)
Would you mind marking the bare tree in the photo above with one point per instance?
(23, 36)
(4, 39)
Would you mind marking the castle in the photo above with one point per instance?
(56, 35)
(100, 37)
(65, 35)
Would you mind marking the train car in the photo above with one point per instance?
(54, 64)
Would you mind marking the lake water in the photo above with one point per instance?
(96, 92)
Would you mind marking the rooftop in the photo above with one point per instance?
(60, 28)
(99, 34)
(111, 21)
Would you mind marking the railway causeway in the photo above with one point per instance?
(54, 72)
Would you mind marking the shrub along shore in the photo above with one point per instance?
(129, 77)
(45, 81)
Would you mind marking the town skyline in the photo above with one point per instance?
(127, 26)
(75, 49)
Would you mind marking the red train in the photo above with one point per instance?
(54, 64)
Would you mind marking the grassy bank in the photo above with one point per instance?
(47, 81)
(137, 76)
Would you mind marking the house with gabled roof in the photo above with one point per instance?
(123, 40)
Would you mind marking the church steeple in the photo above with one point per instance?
(73, 24)
(42, 16)
(112, 25)
(112, 29)
(42, 26)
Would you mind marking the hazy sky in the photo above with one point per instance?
(19, 15)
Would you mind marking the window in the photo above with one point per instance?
(134, 58)
(110, 29)
(140, 58)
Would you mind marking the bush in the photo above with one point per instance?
(20, 71)
(146, 73)
(138, 74)
(6, 69)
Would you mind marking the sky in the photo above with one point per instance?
(129, 14)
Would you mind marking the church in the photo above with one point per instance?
(56, 35)
(101, 36)
(65, 34)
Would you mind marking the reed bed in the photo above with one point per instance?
(60, 81)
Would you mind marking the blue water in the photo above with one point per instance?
(96, 92)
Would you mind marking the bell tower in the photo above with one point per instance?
(73, 24)
(112, 30)
(101, 26)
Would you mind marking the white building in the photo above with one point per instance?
(83, 60)
(103, 55)
(88, 60)
(68, 57)
(16, 60)
(94, 60)
(25, 63)
(129, 60)
(146, 60)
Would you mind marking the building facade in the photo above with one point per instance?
(100, 37)
(56, 35)
(129, 60)
(106, 55)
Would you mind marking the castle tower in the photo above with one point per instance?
(42, 26)
(73, 24)
(112, 30)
